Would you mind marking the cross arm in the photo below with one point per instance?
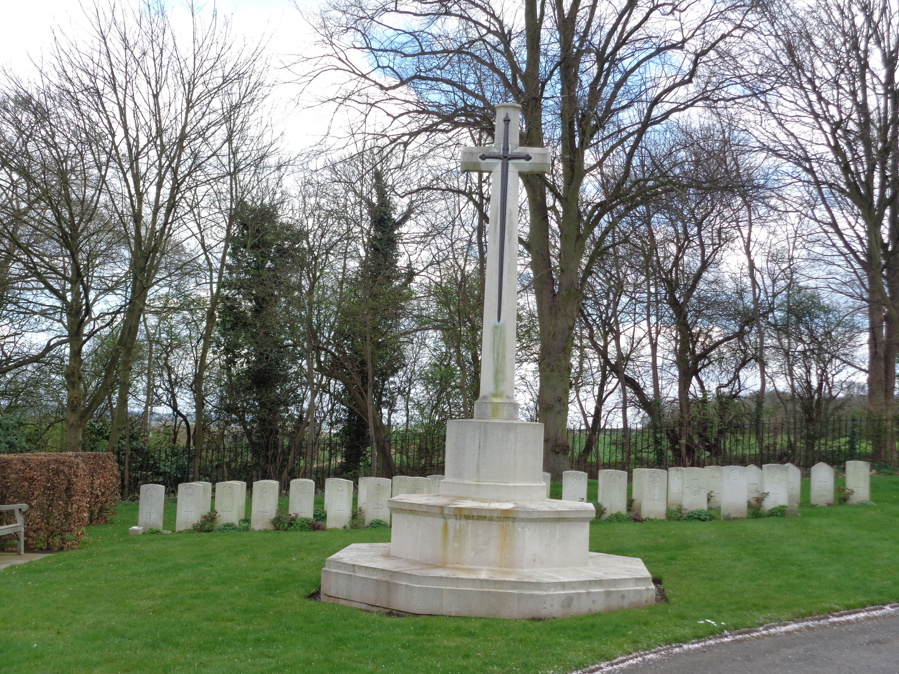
(539, 162)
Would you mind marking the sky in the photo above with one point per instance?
(26, 31)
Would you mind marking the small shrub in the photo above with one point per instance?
(698, 516)
(319, 514)
(675, 513)
(618, 517)
(600, 510)
(377, 524)
(630, 504)
(884, 468)
(227, 526)
(244, 525)
(843, 495)
(206, 523)
(636, 517)
(303, 524)
(156, 532)
(754, 506)
(283, 521)
(357, 519)
(777, 511)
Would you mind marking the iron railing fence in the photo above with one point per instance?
(833, 441)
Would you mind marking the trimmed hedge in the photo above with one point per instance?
(66, 491)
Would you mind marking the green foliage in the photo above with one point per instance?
(156, 532)
(13, 436)
(254, 331)
(283, 521)
(697, 516)
(618, 517)
(227, 527)
(600, 510)
(777, 511)
(675, 513)
(306, 524)
(377, 524)
(206, 523)
(319, 514)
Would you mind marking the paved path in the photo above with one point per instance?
(11, 558)
(863, 642)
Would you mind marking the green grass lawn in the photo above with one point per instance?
(238, 602)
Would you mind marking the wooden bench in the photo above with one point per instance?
(18, 527)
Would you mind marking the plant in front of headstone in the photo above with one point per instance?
(357, 519)
(377, 524)
(754, 508)
(636, 517)
(157, 532)
(843, 495)
(618, 517)
(675, 513)
(697, 516)
(600, 510)
(283, 521)
(307, 524)
(777, 511)
(319, 514)
(227, 527)
(206, 523)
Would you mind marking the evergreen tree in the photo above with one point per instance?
(254, 331)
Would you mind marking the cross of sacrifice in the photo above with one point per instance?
(505, 160)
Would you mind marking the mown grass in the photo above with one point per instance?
(238, 602)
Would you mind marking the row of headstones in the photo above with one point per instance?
(195, 500)
(727, 487)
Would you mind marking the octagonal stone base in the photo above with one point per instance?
(366, 576)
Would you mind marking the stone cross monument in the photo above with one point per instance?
(490, 544)
(505, 160)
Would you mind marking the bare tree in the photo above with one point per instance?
(594, 79)
(827, 108)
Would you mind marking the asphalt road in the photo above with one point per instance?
(863, 642)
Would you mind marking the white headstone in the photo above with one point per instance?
(374, 493)
(714, 486)
(636, 484)
(264, 505)
(190, 505)
(302, 498)
(242, 499)
(754, 481)
(612, 491)
(338, 502)
(547, 480)
(794, 485)
(675, 486)
(776, 483)
(227, 502)
(207, 496)
(858, 479)
(435, 484)
(574, 485)
(734, 492)
(653, 492)
(150, 508)
(402, 485)
(696, 489)
(822, 479)
(419, 485)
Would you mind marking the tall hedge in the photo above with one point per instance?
(66, 491)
